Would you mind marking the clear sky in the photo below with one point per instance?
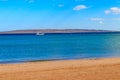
(59, 14)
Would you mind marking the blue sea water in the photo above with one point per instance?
(18, 48)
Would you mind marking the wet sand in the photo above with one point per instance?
(95, 69)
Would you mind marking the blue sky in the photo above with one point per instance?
(59, 14)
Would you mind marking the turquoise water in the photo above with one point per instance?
(15, 48)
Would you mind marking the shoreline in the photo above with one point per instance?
(85, 69)
(26, 61)
(46, 60)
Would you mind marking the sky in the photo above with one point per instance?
(59, 14)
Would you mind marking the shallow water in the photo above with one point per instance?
(17, 48)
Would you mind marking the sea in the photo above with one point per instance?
(31, 47)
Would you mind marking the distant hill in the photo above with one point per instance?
(34, 31)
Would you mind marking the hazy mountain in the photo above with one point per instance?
(30, 31)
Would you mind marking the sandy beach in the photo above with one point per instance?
(95, 69)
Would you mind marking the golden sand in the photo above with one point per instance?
(97, 69)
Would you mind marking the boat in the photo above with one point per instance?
(40, 33)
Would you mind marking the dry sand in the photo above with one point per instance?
(97, 69)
